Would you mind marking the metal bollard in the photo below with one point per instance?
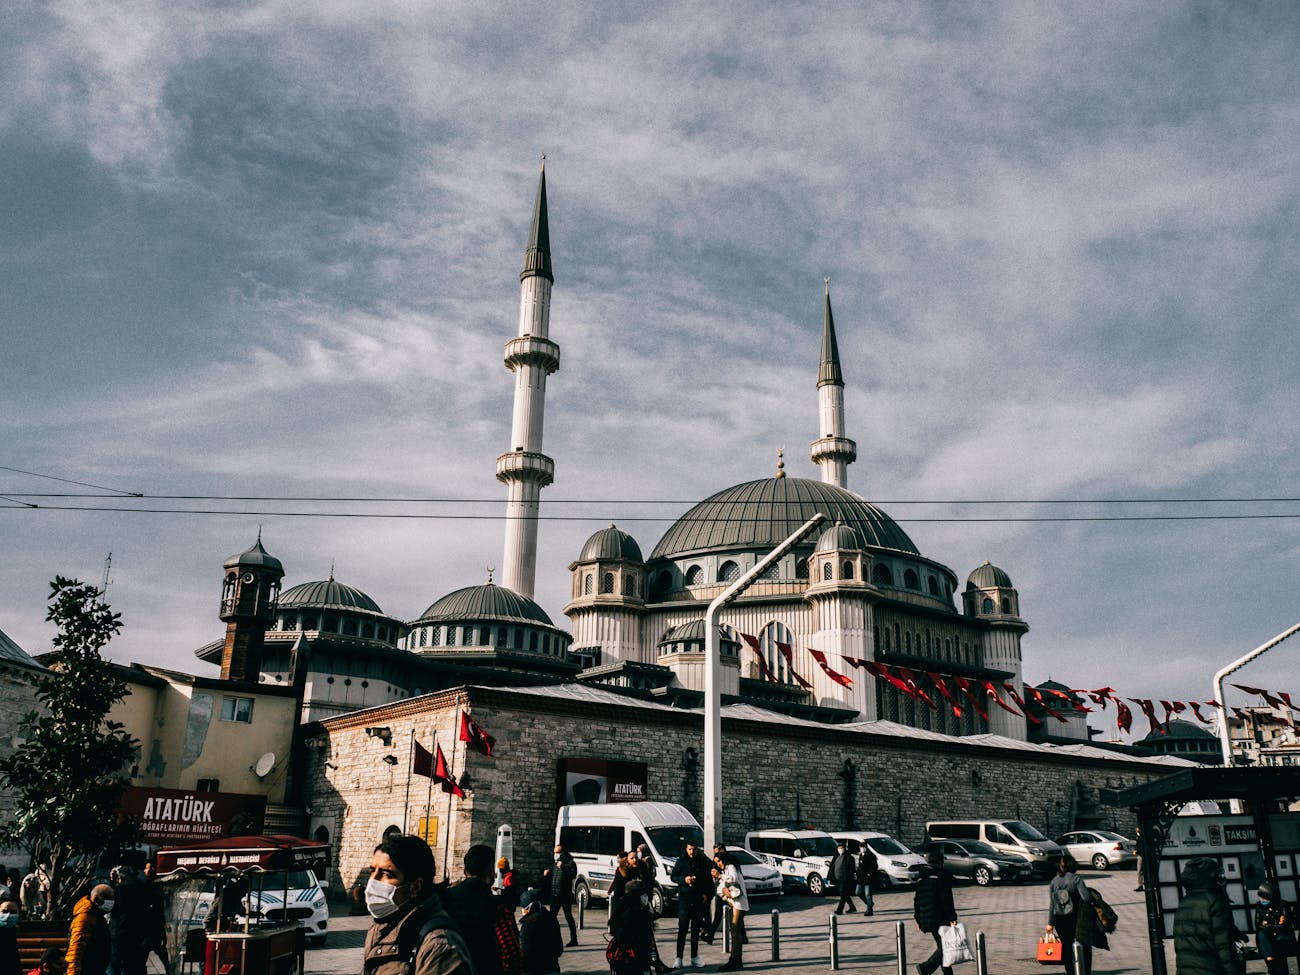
(726, 929)
(981, 955)
(776, 935)
(582, 913)
(1077, 950)
(900, 946)
(835, 943)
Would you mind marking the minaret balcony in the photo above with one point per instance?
(525, 465)
(528, 350)
(834, 448)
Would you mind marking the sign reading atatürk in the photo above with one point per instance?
(169, 816)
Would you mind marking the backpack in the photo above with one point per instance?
(409, 943)
(1062, 901)
(1107, 919)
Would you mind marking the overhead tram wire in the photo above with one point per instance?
(65, 480)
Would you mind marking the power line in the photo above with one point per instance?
(51, 477)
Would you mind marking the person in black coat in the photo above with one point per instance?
(559, 880)
(843, 875)
(1203, 928)
(868, 866)
(631, 948)
(932, 907)
(693, 875)
(540, 941)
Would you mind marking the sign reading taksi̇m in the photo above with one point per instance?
(593, 780)
(169, 816)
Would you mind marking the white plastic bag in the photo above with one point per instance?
(956, 946)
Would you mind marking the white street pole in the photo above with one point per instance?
(1224, 738)
(713, 682)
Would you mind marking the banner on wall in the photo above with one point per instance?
(583, 781)
(170, 816)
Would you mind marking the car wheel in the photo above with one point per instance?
(982, 876)
(581, 895)
(884, 881)
(816, 886)
(656, 903)
(1099, 862)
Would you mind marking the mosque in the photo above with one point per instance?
(857, 592)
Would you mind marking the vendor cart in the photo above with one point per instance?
(234, 936)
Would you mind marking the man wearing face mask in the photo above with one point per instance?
(412, 934)
(559, 884)
(88, 940)
(9, 962)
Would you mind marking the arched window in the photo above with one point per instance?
(801, 568)
(607, 584)
(881, 575)
(350, 627)
(933, 584)
(629, 585)
(828, 573)
(987, 605)
(424, 637)
(773, 571)
(368, 631)
(586, 584)
(847, 572)
(1006, 605)
(728, 572)
(693, 575)
(910, 580)
(886, 646)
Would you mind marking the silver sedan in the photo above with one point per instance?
(1099, 848)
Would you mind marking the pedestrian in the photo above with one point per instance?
(1275, 934)
(52, 963)
(485, 921)
(844, 875)
(89, 945)
(1070, 914)
(719, 905)
(628, 869)
(1137, 835)
(692, 873)
(412, 934)
(226, 906)
(10, 964)
(631, 944)
(868, 867)
(731, 888)
(932, 908)
(31, 893)
(560, 877)
(1203, 928)
(511, 883)
(156, 921)
(131, 925)
(540, 941)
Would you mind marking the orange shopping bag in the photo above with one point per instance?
(1050, 950)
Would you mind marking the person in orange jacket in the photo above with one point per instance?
(88, 939)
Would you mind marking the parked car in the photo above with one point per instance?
(1099, 847)
(1013, 836)
(977, 861)
(803, 856)
(760, 879)
(267, 899)
(898, 864)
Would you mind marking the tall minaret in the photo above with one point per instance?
(833, 452)
(525, 470)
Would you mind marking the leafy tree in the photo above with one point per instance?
(72, 767)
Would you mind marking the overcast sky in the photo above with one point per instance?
(254, 249)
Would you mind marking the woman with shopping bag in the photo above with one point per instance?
(933, 909)
(1070, 916)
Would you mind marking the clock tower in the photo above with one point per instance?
(249, 593)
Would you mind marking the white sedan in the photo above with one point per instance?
(760, 879)
(1099, 848)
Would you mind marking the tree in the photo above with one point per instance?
(73, 764)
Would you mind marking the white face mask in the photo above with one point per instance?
(379, 898)
(107, 906)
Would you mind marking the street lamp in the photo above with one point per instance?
(713, 681)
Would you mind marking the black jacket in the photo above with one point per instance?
(691, 897)
(843, 870)
(540, 942)
(474, 908)
(1203, 929)
(560, 878)
(932, 905)
(868, 865)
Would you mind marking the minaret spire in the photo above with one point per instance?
(531, 356)
(832, 452)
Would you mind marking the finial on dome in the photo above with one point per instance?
(828, 286)
(493, 568)
(259, 534)
(780, 462)
(331, 579)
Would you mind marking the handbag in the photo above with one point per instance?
(956, 946)
(1051, 951)
(1107, 919)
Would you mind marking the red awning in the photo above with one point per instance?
(243, 854)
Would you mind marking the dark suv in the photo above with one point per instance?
(976, 860)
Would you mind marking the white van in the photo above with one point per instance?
(802, 856)
(898, 865)
(594, 835)
(1013, 836)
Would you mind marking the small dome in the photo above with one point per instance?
(693, 632)
(838, 538)
(609, 544)
(1178, 728)
(327, 594)
(988, 576)
(486, 602)
(255, 556)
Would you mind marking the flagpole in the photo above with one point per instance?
(428, 802)
(410, 764)
(451, 770)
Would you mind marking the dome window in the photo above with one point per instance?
(847, 572)
(607, 584)
(728, 572)
(532, 641)
(881, 575)
(910, 580)
(1006, 605)
(629, 585)
(435, 632)
(801, 568)
(586, 584)
(933, 585)
(693, 575)
(987, 605)
(772, 572)
(350, 627)
(368, 631)
(424, 636)
(828, 573)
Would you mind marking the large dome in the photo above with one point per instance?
(762, 514)
(327, 594)
(486, 602)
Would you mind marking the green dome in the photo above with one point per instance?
(988, 576)
(611, 543)
(838, 538)
(256, 556)
(1178, 728)
(486, 602)
(762, 514)
(327, 594)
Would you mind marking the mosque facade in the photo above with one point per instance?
(856, 592)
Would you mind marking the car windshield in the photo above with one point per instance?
(1106, 834)
(671, 841)
(886, 846)
(816, 846)
(1023, 831)
(298, 880)
(743, 858)
(979, 848)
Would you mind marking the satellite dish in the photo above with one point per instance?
(264, 765)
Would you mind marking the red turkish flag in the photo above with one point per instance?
(787, 652)
(940, 683)
(422, 761)
(442, 774)
(833, 675)
(752, 642)
(478, 739)
(964, 685)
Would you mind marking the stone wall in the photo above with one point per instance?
(773, 774)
